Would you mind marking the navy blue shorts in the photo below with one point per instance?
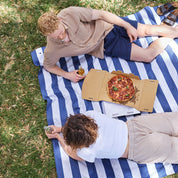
(117, 42)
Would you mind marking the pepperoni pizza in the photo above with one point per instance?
(121, 88)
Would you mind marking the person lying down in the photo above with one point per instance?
(148, 138)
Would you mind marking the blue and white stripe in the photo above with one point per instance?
(64, 98)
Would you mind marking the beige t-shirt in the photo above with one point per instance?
(86, 36)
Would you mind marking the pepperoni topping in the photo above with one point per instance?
(121, 88)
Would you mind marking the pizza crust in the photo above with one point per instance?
(121, 88)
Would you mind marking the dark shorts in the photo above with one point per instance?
(117, 42)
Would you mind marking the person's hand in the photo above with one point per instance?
(53, 135)
(132, 33)
(55, 129)
(74, 76)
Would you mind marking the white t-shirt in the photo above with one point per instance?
(111, 141)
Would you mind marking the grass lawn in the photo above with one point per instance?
(25, 151)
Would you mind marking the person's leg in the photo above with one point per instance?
(158, 46)
(148, 54)
(157, 30)
(155, 148)
(166, 123)
(154, 138)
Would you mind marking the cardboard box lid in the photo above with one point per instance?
(95, 89)
(116, 110)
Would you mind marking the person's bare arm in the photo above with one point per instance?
(114, 19)
(73, 76)
(70, 152)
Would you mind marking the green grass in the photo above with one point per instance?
(24, 149)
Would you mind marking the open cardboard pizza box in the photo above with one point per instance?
(95, 89)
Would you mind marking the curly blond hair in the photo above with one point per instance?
(48, 23)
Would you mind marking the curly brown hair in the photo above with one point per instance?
(48, 23)
(79, 131)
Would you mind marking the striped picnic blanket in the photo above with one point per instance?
(64, 98)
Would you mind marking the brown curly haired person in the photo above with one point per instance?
(148, 138)
(79, 131)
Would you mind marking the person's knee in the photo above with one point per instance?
(147, 57)
(150, 54)
(140, 54)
